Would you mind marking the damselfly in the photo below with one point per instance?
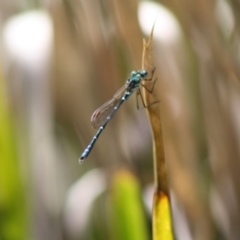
(105, 113)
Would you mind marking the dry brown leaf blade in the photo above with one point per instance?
(154, 117)
(162, 221)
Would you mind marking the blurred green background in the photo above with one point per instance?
(60, 61)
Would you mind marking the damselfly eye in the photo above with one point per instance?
(143, 73)
(133, 73)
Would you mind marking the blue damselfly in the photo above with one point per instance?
(105, 113)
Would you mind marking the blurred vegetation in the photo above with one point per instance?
(129, 221)
(45, 110)
(12, 196)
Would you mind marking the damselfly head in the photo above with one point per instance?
(133, 73)
(143, 73)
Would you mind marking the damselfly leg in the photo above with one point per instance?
(139, 93)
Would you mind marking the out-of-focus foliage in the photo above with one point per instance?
(48, 94)
(128, 217)
(13, 224)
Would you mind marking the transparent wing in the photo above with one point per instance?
(99, 117)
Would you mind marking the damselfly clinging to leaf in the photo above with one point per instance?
(104, 114)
